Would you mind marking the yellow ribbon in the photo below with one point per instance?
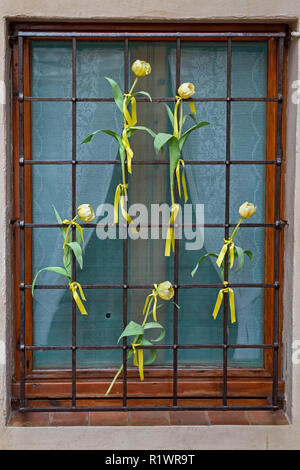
(180, 161)
(131, 120)
(120, 197)
(70, 223)
(138, 359)
(149, 299)
(128, 149)
(228, 243)
(231, 302)
(73, 287)
(192, 107)
(171, 232)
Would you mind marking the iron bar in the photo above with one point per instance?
(125, 246)
(150, 286)
(74, 211)
(277, 210)
(176, 257)
(227, 215)
(161, 346)
(146, 100)
(22, 216)
(151, 163)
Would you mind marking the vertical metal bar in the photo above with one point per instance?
(277, 219)
(176, 259)
(125, 248)
(227, 215)
(22, 217)
(74, 95)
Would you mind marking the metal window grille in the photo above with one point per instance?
(276, 225)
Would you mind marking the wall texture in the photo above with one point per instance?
(188, 437)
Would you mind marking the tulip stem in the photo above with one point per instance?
(134, 83)
(235, 230)
(181, 119)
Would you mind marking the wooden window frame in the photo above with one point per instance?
(244, 386)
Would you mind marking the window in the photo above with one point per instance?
(60, 97)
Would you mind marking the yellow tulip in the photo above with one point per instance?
(247, 210)
(186, 90)
(141, 68)
(86, 213)
(165, 290)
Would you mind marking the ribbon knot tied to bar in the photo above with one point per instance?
(138, 359)
(120, 197)
(73, 286)
(227, 244)
(67, 229)
(171, 231)
(181, 162)
(149, 299)
(226, 290)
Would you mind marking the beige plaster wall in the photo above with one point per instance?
(187, 437)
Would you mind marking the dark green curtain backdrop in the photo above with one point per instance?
(204, 64)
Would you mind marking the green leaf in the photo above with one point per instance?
(59, 220)
(200, 261)
(170, 114)
(117, 93)
(240, 255)
(156, 325)
(76, 248)
(113, 134)
(144, 342)
(143, 128)
(143, 93)
(56, 269)
(183, 138)
(249, 254)
(160, 140)
(67, 260)
(151, 358)
(132, 329)
(78, 237)
(193, 117)
(89, 137)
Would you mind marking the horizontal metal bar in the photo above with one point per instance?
(150, 408)
(158, 99)
(148, 162)
(262, 225)
(122, 35)
(150, 286)
(161, 346)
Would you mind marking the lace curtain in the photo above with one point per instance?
(205, 65)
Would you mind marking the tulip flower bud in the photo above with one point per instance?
(86, 213)
(141, 68)
(186, 90)
(165, 290)
(247, 210)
